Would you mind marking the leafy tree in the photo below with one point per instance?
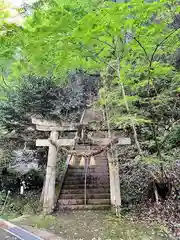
(131, 42)
(45, 53)
(42, 96)
(9, 27)
(137, 39)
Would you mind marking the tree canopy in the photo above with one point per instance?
(61, 36)
(133, 45)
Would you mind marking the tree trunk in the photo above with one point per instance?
(49, 189)
(114, 182)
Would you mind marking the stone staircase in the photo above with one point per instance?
(97, 185)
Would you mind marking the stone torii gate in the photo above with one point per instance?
(54, 129)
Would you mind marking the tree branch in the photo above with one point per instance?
(140, 44)
(2, 74)
(108, 44)
(159, 44)
(102, 60)
(96, 55)
(127, 109)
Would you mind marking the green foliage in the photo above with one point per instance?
(19, 205)
(131, 42)
(172, 140)
(42, 96)
(76, 40)
(9, 41)
(44, 46)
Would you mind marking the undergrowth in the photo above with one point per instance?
(17, 205)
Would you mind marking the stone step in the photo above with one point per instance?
(80, 175)
(89, 175)
(81, 201)
(88, 181)
(100, 167)
(97, 169)
(81, 186)
(84, 207)
(77, 177)
(81, 196)
(89, 178)
(77, 181)
(89, 191)
(78, 168)
(72, 167)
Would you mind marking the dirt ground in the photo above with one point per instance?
(96, 225)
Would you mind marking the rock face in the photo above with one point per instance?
(97, 184)
(23, 170)
(24, 160)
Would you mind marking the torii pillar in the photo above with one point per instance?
(50, 180)
(48, 195)
(115, 190)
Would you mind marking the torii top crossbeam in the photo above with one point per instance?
(44, 125)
